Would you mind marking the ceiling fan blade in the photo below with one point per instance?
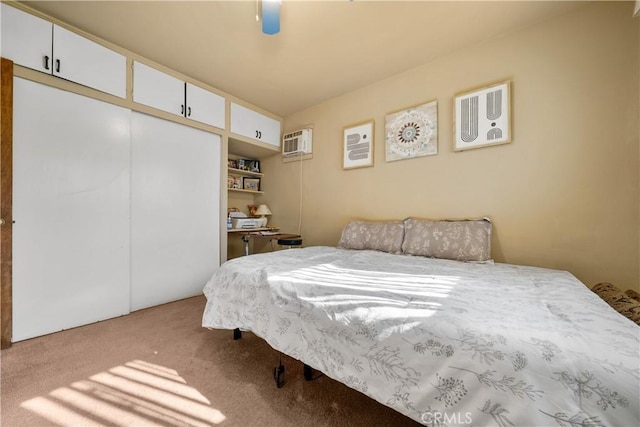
(270, 16)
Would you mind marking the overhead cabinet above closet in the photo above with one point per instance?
(254, 125)
(167, 93)
(38, 44)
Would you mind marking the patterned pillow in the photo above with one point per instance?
(624, 305)
(464, 240)
(632, 294)
(385, 236)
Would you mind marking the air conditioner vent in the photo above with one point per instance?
(297, 143)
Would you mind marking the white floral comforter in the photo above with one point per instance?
(444, 342)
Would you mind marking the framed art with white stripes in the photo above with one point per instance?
(358, 145)
(482, 117)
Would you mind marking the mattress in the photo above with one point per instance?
(443, 342)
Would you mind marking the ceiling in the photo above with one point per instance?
(324, 48)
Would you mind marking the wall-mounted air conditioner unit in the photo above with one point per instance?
(297, 143)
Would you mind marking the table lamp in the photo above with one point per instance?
(262, 212)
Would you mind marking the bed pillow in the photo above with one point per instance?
(385, 236)
(464, 240)
(622, 303)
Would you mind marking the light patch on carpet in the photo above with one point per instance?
(136, 393)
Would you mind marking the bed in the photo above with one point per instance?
(443, 341)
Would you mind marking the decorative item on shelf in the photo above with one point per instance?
(252, 184)
(230, 181)
(358, 145)
(253, 165)
(412, 132)
(242, 165)
(482, 117)
(263, 211)
(233, 164)
(237, 182)
(252, 210)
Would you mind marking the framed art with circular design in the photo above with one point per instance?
(412, 132)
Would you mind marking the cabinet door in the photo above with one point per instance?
(26, 39)
(157, 89)
(71, 210)
(175, 210)
(82, 61)
(205, 106)
(252, 124)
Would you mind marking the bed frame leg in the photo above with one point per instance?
(237, 334)
(278, 374)
(307, 371)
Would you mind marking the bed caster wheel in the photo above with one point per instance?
(237, 334)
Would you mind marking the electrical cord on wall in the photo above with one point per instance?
(300, 210)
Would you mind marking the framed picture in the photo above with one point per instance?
(252, 184)
(253, 165)
(357, 143)
(412, 132)
(482, 117)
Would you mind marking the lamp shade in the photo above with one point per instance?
(263, 210)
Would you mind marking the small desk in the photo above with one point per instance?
(260, 233)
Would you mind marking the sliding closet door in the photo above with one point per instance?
(71, 210)
(175, 203)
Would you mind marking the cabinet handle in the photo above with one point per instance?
(182, 109)
(57, 65)
(258, 134)
(188, 111)
(46, 62)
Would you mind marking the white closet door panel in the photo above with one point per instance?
(71, 210)
(26, 39)
(88, 63)
(157, 89)
(175, 199)
(204, 106)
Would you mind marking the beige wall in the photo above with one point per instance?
(564, 194)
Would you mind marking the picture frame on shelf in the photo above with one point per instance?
(253, 165)
(482, 116)
(252, 184)
(412, 132)
(358, 145)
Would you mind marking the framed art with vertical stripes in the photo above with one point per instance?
(482, 117)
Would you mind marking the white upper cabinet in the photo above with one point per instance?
(82, 61)
(204, 106)
(254, 125)
(167, 93)
(157, 89)
(36, 43)
(26, 39)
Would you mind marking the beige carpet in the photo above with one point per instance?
(159, 367)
